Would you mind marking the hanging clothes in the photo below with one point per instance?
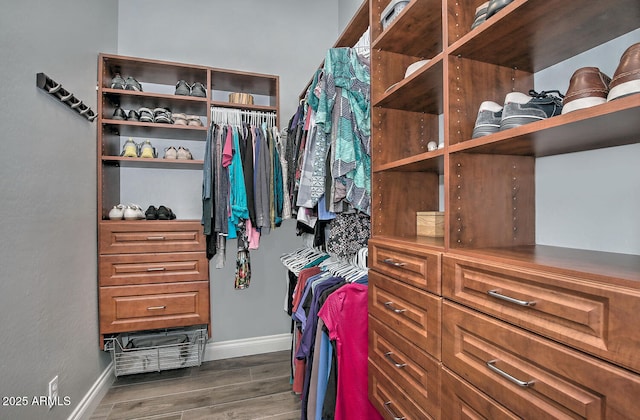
(242, 180)
(345, 315)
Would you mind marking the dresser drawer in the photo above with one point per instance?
(532, 376)
(591, 316)
(462, 401)
(413, 370)
(128, 269)
(146, 236)
(411, 264)
(145, 307)
(410, 312)
(390, 400)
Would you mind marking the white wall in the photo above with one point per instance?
(48, 268)
(589, 200)
(288, 38)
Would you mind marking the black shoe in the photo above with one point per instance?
(197, 89)
(119, 114)
(151, 213)
(133, 115)
(183, 88)
(165, 213)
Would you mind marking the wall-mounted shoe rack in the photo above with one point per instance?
(483, 320)
(154, 274)
(56, 90)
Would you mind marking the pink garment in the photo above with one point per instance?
(253, 234)
(227, 151)
(345, 316)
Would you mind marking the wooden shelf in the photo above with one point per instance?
(420, 92)
(611, 124)
(128, 162)
(156, 130)
(547, 34)
(128, 99)
(416, 31)
(425, 162)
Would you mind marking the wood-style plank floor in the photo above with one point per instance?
(247, 388)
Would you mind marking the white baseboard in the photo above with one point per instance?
(247, 346)
(96, 393)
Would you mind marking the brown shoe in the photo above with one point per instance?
(626, 79)
(588, 87)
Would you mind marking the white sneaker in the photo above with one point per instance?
(170, 153)
(117, 212)
(147, 150)
(133, 212)
(184, 153)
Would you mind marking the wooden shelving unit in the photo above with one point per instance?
(570, 304)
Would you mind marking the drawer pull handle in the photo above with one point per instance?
(391, 413)
(156, 269)
(156, 308)
(389, 306)
(390, 261)
(156, 238)
(497, 295)
(491, 365)
(389, 355)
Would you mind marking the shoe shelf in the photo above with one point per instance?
(546, 36)
(128, 99)
(158, 163)
(146, 71)
(615, 123)
(155, 130)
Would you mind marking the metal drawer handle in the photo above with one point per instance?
(389, 306)
(156, 238)
(391, 413)
(524, 384)
(390, 261)
(156, 308)
(497, 295)
(388, 355)
(156, 269)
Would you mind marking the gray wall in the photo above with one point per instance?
(589, 200)
(288, 38)
(48, 302)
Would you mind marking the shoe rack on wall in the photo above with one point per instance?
(483, 319)
(154, 274)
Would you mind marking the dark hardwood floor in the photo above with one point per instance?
(248, 388)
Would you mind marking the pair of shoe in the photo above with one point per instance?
(142, 150)
(160, 213)
(518, 109)
(488, 9)
(118, 82)
(130, 212)
(184, 119)
(182, 153)
(185, 89)
(121, 114)
(157, 115)
(589, 86)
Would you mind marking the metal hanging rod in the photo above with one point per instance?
(55, 89)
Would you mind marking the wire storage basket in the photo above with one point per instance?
(157, 351)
